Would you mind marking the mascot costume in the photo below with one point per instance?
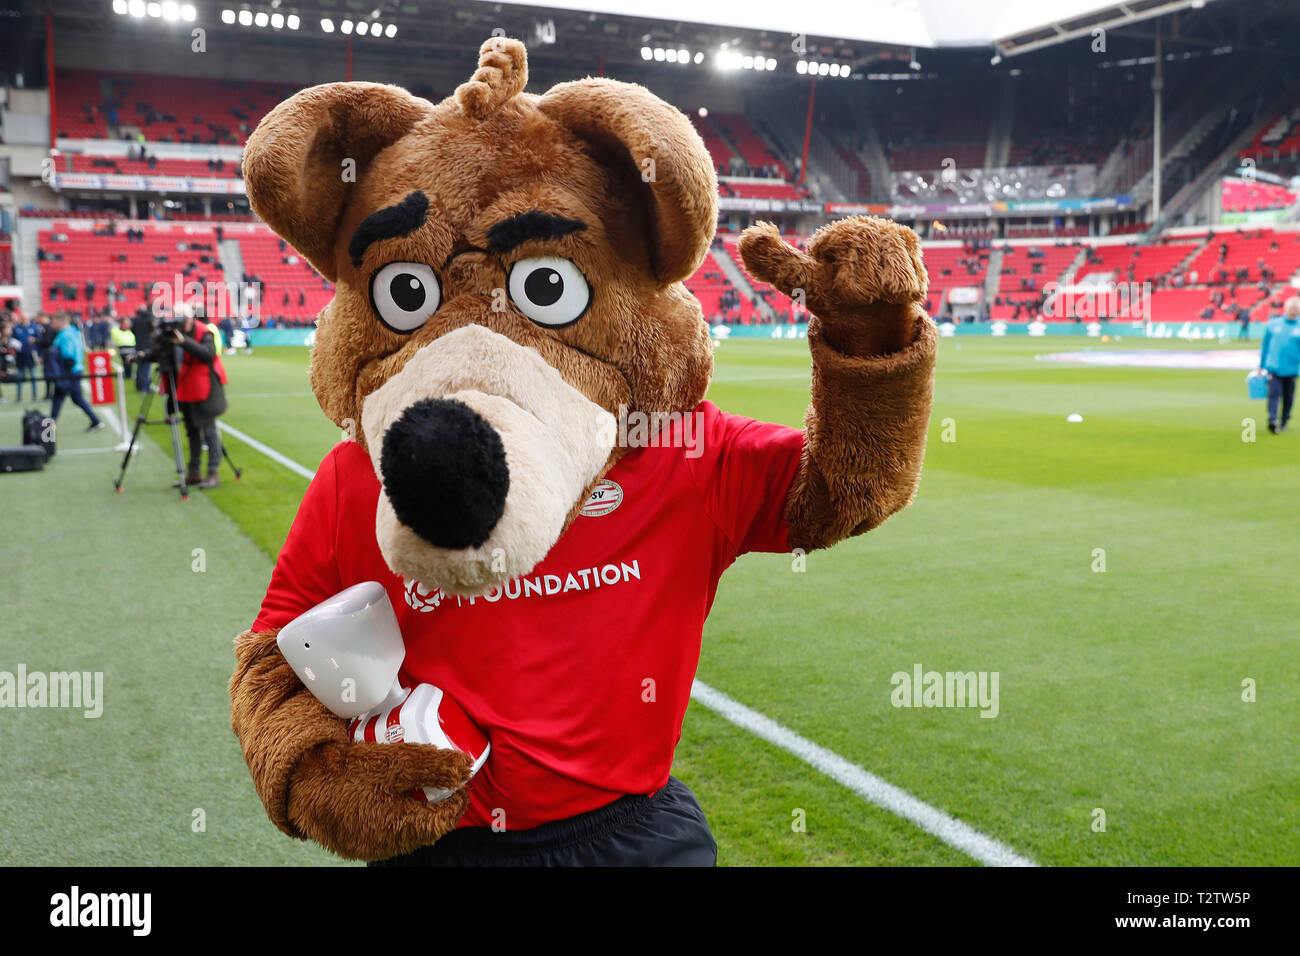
(532, 473)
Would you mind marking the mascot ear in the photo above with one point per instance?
(670, 159)
(294, 163)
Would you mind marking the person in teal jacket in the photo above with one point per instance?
(68, 355)
(1279, 355)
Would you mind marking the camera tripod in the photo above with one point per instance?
(171, 413)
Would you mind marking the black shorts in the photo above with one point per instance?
(667, 829)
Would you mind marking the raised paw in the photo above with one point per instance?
(850, 264)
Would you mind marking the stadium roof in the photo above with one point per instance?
(919, 23)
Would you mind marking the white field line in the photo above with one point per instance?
(268, 451)
(244, 395)
(862, 782)
(865, 784)
(109, 414)
(90, 451)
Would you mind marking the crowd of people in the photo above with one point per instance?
(56, 345)
(52, 342)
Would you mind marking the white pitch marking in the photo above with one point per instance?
(244, 395)
(89, 451)
(268, 451)
(865, 784)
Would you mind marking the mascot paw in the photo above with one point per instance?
(356, 799)
(849, 264)
(856, 272)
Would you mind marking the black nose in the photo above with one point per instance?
(444, 470)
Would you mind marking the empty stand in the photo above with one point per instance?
(168, 109)
(189, 168)
(1242, 196)
(751, 147)
(291, 288)
(1279, 139)
(76, 274)
(1025, 271)
(720, 300)
(1243, 257)
(749, 189)
(720, 152)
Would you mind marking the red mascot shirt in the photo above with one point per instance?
(580, 671)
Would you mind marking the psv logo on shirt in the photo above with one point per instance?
(604, 498)
(418, 598)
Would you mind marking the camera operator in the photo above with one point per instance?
(199, 392)
(142, 327)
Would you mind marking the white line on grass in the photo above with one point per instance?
(269, 452)
(865, 784)
(244, 395)
(90, 451)
(862, 782)
(110, 415)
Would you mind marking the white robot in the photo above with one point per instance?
(348, 650)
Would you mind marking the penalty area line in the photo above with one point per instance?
(865, 784)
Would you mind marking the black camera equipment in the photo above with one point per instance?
(165, 353)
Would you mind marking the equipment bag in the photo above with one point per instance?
(34, 429)
(22, 458)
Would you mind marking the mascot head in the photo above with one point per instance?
(508, 273)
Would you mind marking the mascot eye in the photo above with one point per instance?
(549, 291)
(405, 294)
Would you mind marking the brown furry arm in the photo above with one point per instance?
(866, 431)
(873, 353)
(276, 719)
(352, 798)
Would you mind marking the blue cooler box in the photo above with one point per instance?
(1257, 385)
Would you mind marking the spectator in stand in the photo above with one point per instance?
(1279, 356)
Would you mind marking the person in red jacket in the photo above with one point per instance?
(201, 394)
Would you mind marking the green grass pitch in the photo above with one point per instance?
(1121, 690)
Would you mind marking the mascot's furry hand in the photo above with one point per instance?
(353, 799)
(356, 799)
(873, 350)
(862, 278)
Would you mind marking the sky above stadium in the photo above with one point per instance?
(922, 23)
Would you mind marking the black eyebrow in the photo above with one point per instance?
(401, 219)
(511, 232)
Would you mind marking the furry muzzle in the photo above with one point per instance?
(483, 450)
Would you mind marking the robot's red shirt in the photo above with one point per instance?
(579, 672)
